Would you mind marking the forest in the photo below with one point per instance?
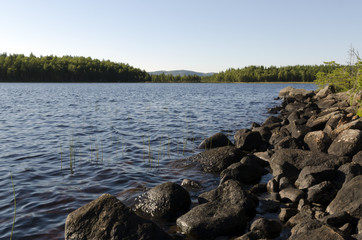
(21, 68)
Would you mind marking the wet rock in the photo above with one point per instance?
(286, 213)
(216, 140)
(322, 193)
(108, 218)
(248, 140)
(291, 194)
(258, 188)
(317, 141)
(289, 162)
(190, 184)
(217, 159)
(165, 201)
(348, 143)
(268, 206)
(348, 199)
(222, 214)
(270, 228)
(312, 175)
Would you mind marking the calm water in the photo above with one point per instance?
(66, 144)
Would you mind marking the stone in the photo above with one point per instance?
(291, 194)
(348, 199)
(272, 185)
(165, 201)
(278, 136)
(191, 185)
(272, 120)
(319, 122)
(243, 173)
(312, 175)
(216, 140)
(337, 220)
(288, 142)
(322, 193)
(268, 206)
(356, 124)
(326, 103)
(349, 171)
(284, 183)
(313, 231)
(289, 162)
(335, 119)
(298, 131)
(357, 158)
(317, 141)
(359, 226)
(217, 159)
(270, 228)
(108, 218)
(248, 140)
(348, 143)
(286, 213)
(295, 106)
(322, 93)
(223, 213)
(294, 92)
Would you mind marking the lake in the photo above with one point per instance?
(66, 144)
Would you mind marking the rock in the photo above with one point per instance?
(190, 185)
(252, 235)
(216, 140)
(359, 226)
(243, 173)
(293, 92)
(326, 103)
(258, 188)
(312, 231)
(324, 92)
(298, 131)
(108, 218)
(278, 136)
(297, 118)
(349, 171)
(357, 158)
(288, 142)
(291, 194)
(252, 159)
(268, 206)
(335, 119)
(356, 124)
(289, 162)
(295, 106)
(272, 120)
(247, 140)
(272, 185)
(322, 193)
(317, 141)
(217, 159)
(222, 214)
(265, 133)
(286, 213)
(348, 143)
(312, 175)
(165, 201)
(348, 199)
(270, 228)
(284, 183)
(319, 122)
(346, 228)
(337, 220)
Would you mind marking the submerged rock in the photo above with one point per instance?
(248, 140)
(216, 140)
(165, 201)
(108, 218)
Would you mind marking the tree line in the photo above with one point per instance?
(21, 68)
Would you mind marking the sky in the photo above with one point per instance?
(198, 35)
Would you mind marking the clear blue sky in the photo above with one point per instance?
(199, 35)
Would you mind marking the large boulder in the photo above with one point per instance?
(317, 141)
(248, 140)
(216, 140)
(222, 214)
(312, 175)
(318, 122)
(217, 159)
(270, 228)
(348, 143)
(348, 199)
(295, 92)
(165, 201)
(298, 131)
(108, 218)
(322, 93)
(289, 162)
(288, 142)
(356, 124)
(314, 231)
(322, 193)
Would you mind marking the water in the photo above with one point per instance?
(66, 144)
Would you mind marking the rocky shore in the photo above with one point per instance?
(308, 156)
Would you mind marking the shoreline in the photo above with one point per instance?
(312, 167)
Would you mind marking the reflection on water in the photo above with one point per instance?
(66, 144)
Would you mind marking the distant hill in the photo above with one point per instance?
(181, 73)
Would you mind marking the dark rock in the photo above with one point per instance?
(324, 92)
(268, 206)
(348, 199)
(349, 171)
(222, 214)
(217, 159)
(272, 120)
(272, 185)
(348, 143)
(335, 119)
(289, 162)
(247, 140)
(286, 213)
(165, 201)
(319, 122)
(278, 136)
(191, 185)
(317, 141)
(288, 142)
(265, 133)
(359, 226)
(243, 173)
(322, 193)
(216, 140)
(311, 175)
(357, 158)
(346, 228)
(258, 188)
(298, 131)
(356, 124)
(313, 231)
(295, 106)
(108, 218)
(297, 118)
(251, 159)
(270, 228)
(284, 183)
(275, 110)
(252, 235)
(291, 194)
(294, 92)
(337, 220)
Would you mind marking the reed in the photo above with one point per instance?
(12, 228)
(71, 155)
